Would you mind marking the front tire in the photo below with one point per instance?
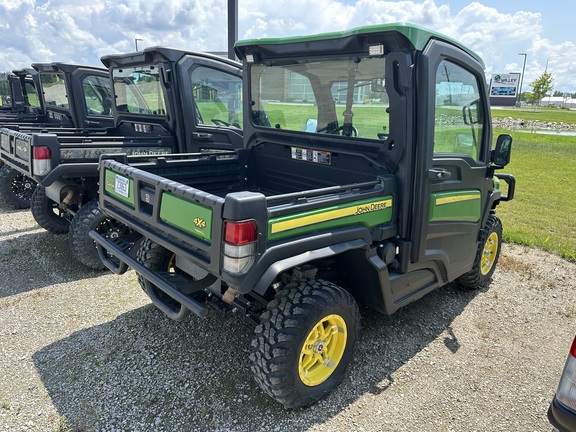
(486, 256)
(16, 188)
(304, 342)
(47, 213)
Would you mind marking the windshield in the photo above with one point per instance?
(54, 87)
(138, 90)
(340, 96)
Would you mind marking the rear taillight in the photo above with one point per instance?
(566, 393)
(41, 160)
(239, 246)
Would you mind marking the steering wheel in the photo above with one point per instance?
(219, 122)
(337, 130)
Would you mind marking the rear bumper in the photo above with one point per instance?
(106, 248)
(561, 417)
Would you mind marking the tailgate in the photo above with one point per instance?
(68, 152)
(182, 218)
(16, 148)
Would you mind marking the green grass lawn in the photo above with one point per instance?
(543, 114)
(543, 211)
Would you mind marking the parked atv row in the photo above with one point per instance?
(52, 97)
(159, 101)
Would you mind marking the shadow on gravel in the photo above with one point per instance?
(36, 260)
(142, 371)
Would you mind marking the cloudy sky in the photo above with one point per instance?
(81, 31)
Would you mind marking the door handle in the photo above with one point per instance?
(202, 136)
(439, 174)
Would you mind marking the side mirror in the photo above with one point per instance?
(501, 154)
(472, 113)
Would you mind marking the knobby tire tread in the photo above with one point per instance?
(474, 279)
(41, 209)
(278, 338)
(82, 246)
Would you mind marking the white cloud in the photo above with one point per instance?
(80, 31)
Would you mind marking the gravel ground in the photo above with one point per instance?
(86, 351)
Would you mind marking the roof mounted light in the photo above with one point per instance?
(250, 58)
(375, 50)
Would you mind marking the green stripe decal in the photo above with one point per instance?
(461, 206)
(369, 212)
(187, 216)
(119, 186)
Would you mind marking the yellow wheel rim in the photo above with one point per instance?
(172, 264)
(322, 350)
(489, 253)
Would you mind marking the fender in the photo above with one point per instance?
(280, 256)
(68, 170)
(491, 203)
(287, 263)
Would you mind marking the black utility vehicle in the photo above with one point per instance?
(368, 175)
(62, 98)
(19, 94)
(164, 101)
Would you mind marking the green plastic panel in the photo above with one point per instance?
(119, 186)
(460, 206)
(370, 212)
(187, 216)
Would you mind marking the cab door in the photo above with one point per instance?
(213, 113)
(454, 160)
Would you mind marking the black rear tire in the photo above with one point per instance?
(15, 188)
(486, 256)
(304, 342)
(89, 218)
(159, 259)
(47, 213)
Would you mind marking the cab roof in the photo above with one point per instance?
(418, 37)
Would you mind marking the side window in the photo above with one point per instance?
(97, 95)
(459, 113)
(217, 97)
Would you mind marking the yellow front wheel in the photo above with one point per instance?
(304, 342)
(489, 253)
(486, 256)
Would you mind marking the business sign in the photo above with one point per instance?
(504, 88)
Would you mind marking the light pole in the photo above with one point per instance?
(136, 42)
(555, 55)
(521, 78)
